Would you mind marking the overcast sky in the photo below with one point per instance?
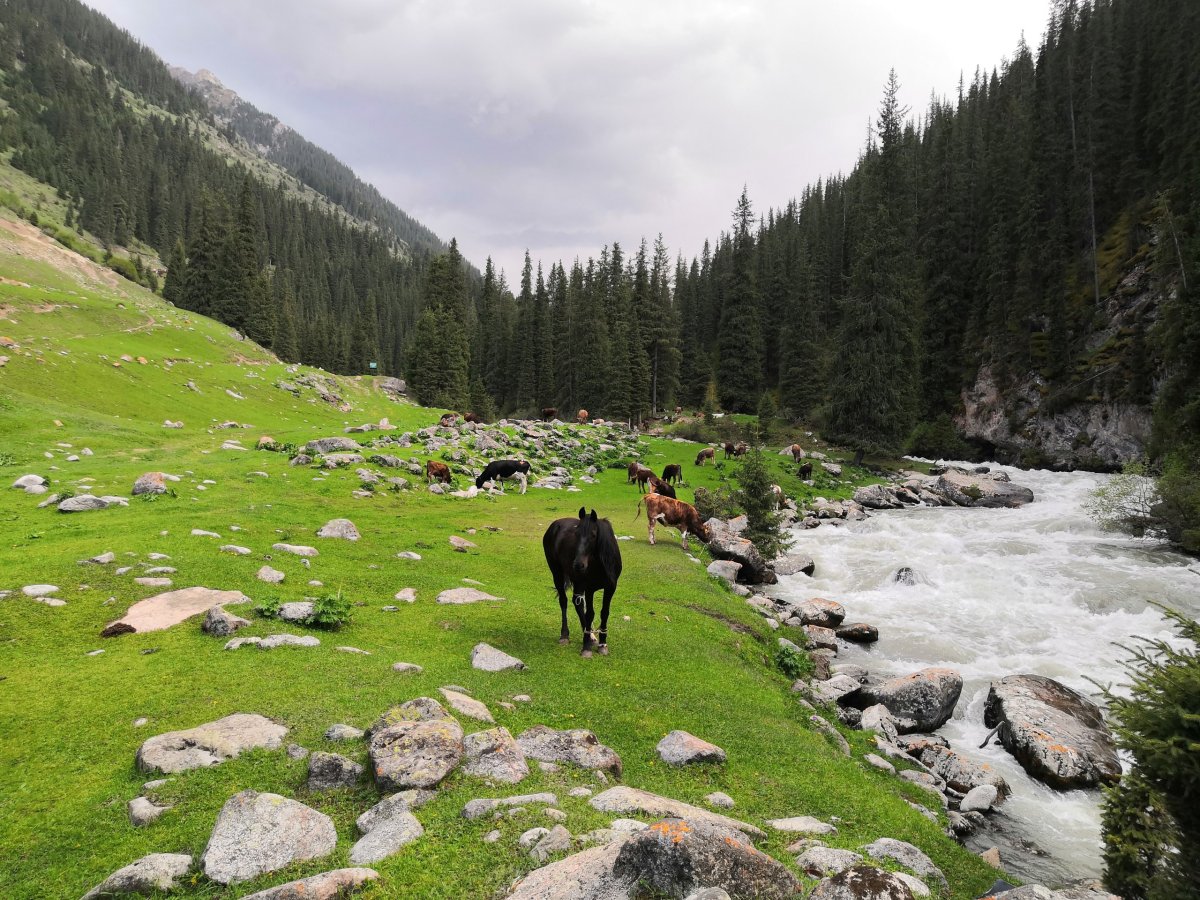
(563, 125)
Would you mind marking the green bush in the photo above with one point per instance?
(331, 611)
(938, 440)
(717, 502)
(754, 495)
(269, 607)
(793, 664)
(1152, 820)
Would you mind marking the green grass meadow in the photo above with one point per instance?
(685, 652)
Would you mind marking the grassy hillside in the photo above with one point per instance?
(689, 655)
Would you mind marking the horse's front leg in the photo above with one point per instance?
(587, 614)
(583, 607)
(608, 595)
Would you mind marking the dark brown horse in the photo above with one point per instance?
(583, 554)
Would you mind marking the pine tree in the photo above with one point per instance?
(739, 361)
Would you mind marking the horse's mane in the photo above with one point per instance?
(608, 551)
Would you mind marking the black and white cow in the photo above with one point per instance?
(503, 469)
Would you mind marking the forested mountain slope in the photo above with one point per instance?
(143, 165)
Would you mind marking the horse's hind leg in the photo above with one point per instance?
(560, 585)
(587, 614)
(608, 595)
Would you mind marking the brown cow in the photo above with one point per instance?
(659, 486)
(643, 476)
(729, 448)
(706, 453)
(673, 472)
(797, 452)
(740, 449)
(471, 417)
(805, 471)
(549, 412)
(437, 470)
(581, 417)
(674, 514)
(632, 469)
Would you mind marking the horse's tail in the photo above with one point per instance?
(639, 509)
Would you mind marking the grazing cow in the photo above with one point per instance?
(583, 554)
(471, 417)
(644, 476)
(500, 470)
(776, 496)
(549, 412)
(673, 513)
(448, 420)
(706, 453)
(581, 417)
(740, 449)
(805, 471)
(435, 470)
(661, 487)
(729, 448)
(673, 472)
(797, 452)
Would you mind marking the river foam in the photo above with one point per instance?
(998, 592)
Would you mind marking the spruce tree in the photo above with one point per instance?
(739, 361)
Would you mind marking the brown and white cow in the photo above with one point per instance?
(740, 449)
(705, 454)
(581, 417)
(438, 471)
(674, 514)
(448, 420)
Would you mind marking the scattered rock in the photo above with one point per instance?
(407, 668)
(258, 833)
(862, 882)
(332, 885)
(414, 745)
(388, 832)
(142, 812)
(298, 611)
(488, 659)
(1056, 734)
(678, 855)
(578, 747)
(297, 549)
(725, 569)
(155, 872)
(582, 876)
(908, 856)
(342, 732)
(801, 825)
(219, 622)
(830, 732)
(858, 633)
(630, 800)
(200, 532)
(102, 560)
(404, 801)
(322, 446)
(468, 706)
(150, 483)
(339, 528)
(270, 642)
(462, 545)
(269, 575)
(477, 809)
(39, 590)
(237, 643)
(493, 754)
(680, 749)
(330, 771)
(719, 800)
(979, 799)
(463, 595)
(821, 862)
(921, 701)
(81, 503)
(406, 595)
(209, 744)
(554, 841)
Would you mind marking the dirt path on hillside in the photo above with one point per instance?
(22, 239)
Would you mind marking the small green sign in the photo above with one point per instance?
(373, 365)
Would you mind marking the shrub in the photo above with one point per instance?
(717, 503)
(331, 611)
(793, 664)
(1152, 819)
(938, 440)
(269, 607)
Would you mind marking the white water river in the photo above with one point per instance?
(1004, 591)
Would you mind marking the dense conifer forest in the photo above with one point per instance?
(991, 229)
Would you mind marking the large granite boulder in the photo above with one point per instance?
(414, 745)
(908, 856)
(1056, 734)
(679, 748)
(321, 446)
(582, 876)
(725, 543)
(257, 833)
(920, 701)
(209, 744)
(961, 772)
(156, 872)
(386, 835)
(677, 856)
(992, 490)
